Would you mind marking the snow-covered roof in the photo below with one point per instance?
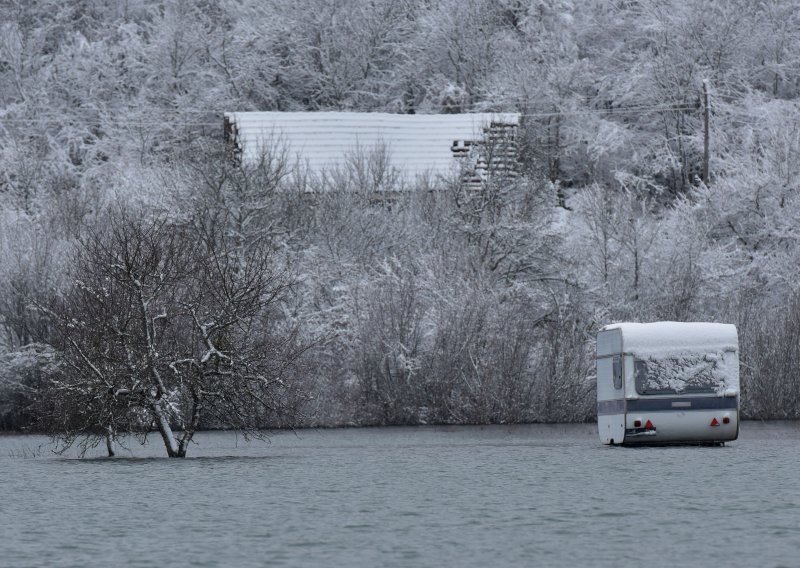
(669, 338)
(418, 144)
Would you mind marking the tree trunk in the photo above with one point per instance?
(189, 431)
(110, 442)
(165, 430)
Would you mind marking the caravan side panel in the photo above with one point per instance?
(610, 403)
(609, 342)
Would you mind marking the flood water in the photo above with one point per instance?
(430, 496)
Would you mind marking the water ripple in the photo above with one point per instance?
(472, 496)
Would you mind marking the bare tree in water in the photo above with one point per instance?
(168, 328)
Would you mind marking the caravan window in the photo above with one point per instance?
(678, 375)
(617, 370)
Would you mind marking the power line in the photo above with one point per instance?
(610, 112)
(94, 121)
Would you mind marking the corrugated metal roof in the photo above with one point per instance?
(417, 144)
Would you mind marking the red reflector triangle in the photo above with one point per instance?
(649, 426)
(715, 422)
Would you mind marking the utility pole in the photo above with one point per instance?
(705, 131)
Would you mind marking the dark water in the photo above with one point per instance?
(465, 496)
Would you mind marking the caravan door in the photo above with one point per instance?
(610, 399)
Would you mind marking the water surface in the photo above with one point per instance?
(431, 496)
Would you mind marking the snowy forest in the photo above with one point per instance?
(660, 148)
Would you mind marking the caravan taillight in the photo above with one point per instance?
(637, 423)
(649, 426)
(714, 422)
(726, 419)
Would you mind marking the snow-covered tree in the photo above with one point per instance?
(168, 330)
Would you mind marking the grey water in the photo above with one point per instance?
(427, 496)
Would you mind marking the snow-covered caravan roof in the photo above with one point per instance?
(681, 342)
(669, 338)
(418, 144)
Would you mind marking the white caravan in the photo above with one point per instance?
(668, 383)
